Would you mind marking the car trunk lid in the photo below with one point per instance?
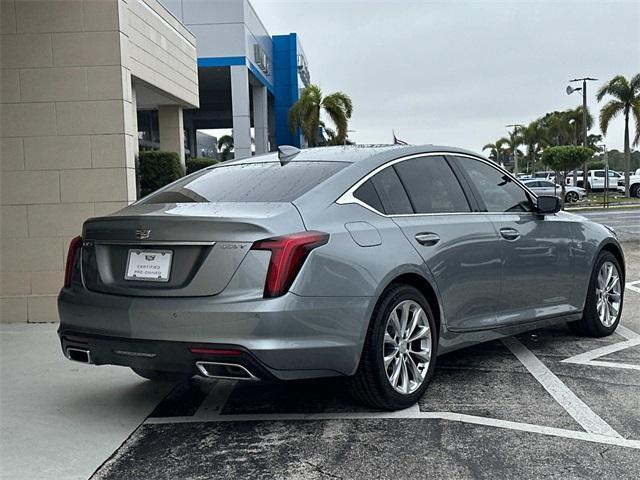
(204, 244)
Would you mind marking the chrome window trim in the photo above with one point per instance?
(348, 197)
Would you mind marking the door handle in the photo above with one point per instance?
(427, 239)
(510, 233)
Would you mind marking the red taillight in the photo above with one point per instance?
(215, 351)
(74, 248)
(288, 253)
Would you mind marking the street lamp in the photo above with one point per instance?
(515, 126)
(570, 90)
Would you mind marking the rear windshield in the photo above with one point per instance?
(248, 182)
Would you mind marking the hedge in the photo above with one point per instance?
(157, 169)
(198, 163)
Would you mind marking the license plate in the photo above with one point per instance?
(149, 265)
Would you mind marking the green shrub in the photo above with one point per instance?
(157, 169)
(198, 163)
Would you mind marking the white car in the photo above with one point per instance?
(634, 184)
(545, 187)
(596, 179)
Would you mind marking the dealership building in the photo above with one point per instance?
(87, 83)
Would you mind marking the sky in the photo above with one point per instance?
(454, 72)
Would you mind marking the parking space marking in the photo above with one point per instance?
(412, 413)
(633, 286)
(568, 400)
(589, 358)
(215, 401)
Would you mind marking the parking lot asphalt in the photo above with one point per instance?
(544, 404)
(625, 221)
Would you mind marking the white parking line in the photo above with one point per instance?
(413, 413)
(568, 400)
(633, 286)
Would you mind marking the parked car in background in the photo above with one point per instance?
(634, 184)
(596, 180)
(545, 187)
(364, 262)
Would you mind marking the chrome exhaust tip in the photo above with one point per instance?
(78, 355)
(227, 371)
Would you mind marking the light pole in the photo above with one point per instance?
(606, 174)
(572, 122)
(570, 90)
(515, 126)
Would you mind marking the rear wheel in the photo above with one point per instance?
(603, 305)
(160, 376)
(571, 197)
(399, 354)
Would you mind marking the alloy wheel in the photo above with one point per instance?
(608, 294)
(407, 347)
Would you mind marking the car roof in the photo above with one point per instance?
(355, 153)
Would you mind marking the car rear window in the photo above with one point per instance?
(248, 182)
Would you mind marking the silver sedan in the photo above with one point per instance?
(362, 262)
(545, 187)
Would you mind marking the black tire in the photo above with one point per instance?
(635, 190)
(159, 376)
(370, 384)
(590, 324)
(571, 197)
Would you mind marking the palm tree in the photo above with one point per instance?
(225, 147)
(512, 142)
(626, 100)
(533, 137)
(494, 153)
(305, 114)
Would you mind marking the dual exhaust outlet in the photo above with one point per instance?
(226, 371)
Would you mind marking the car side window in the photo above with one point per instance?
(499, 192)
(366, 193)
(547, 184)
(598, 174)
(432, 185)
(391, 192)
(533, 184)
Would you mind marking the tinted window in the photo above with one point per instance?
(367, 193)
(598, 174)
(248, 182)
(532, 184)
(391, 192)
(432, 186)
(498, 191)
(547, 184)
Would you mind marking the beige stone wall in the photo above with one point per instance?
(67, 131)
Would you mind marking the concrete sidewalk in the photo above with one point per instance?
(60, 419)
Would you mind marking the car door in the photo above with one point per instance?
(548, 188)
(459, 247)
(597, 180)
(536, 274)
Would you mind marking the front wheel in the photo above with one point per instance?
(603, 305)
(635, 191)
(399, 354)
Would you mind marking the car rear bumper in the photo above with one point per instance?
(290, 337)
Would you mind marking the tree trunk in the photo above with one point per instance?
(627, 155)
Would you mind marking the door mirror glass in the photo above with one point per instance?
(548, 204)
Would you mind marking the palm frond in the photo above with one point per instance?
(617, 87)
(608, 113)
(635, 111)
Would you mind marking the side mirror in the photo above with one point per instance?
(548, 204)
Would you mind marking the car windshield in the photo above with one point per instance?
(248, 182)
